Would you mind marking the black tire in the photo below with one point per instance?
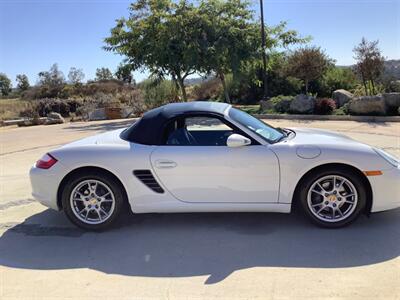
(352, 176)
(104, 178)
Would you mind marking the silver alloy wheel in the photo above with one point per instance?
(332, 198)
(92, 201)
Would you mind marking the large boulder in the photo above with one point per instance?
(54, 118)
(341, 97)
(302, 104)
(392, 99)
(368, 105)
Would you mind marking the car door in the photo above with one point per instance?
(202, 168)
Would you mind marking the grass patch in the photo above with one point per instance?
(10, 108)
(250, 109)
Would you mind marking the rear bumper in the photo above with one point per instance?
(45, 185)
(386, 190)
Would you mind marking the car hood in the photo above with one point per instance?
(312, 136)
(107, 138)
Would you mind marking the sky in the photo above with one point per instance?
(34, 34)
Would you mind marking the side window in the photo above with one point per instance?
(198, 131)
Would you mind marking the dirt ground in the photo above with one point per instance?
(188, 256)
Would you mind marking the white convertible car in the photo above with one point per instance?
(211, 157)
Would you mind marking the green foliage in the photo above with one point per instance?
(22, 82)
(281, 103)
(208, 90)
(103, 74)
(5, 84)
(342, 110)
(158, 92)
(180, 38)
(361, 90)
(160, 35)
(370, 64)
(50, 82)
(75, 76)
(308, 64)
(336, 78)
(124, 73)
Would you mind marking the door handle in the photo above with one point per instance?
(165, 164)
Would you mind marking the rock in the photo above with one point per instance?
(302, 104)
(50, 121)
(392, 99)
(368, 105)
(265, 105)
(55, 118)
(98, 114)
(341, 97)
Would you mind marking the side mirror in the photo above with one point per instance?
(237, 140)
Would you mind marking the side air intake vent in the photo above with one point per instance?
(148, 179)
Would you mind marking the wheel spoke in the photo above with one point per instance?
(320, 186)
(104, 212)
(318, 192)
(321, 209)
(79, 199)
(99, 214)
(340, 212)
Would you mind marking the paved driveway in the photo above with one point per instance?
(188, 256)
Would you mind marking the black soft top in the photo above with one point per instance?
(149, 129)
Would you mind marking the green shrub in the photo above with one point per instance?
(324, 106)
(209, 89)
(281, 104)
(158, 92)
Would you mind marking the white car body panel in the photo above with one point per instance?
(257, 178)
(192, 180)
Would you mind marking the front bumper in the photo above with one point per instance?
(386, 190)
(45, 185)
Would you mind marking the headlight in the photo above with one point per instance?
(388, 157)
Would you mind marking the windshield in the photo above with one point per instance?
(265, 131)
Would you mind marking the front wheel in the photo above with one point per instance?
(333, 198)
(92, 201)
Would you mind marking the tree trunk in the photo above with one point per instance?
(306, 83)
(364, 83)
(226, 93)
(373, 87)
(182, 86)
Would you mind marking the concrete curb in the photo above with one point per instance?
(329, 118)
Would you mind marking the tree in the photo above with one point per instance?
(75, 76)
(309, 63)
(51, 82)
(232, 38)
(228, 37)
(103, 74)
(5, 84)
(53, 77)
(22, 82)
(370, 64)
(160, 35)
(124, 73)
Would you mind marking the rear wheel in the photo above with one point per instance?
(93, 201)
(333, 197)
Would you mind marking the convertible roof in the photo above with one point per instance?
(149, 129)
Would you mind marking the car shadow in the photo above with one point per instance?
(180, 245)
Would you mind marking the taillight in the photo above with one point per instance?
(46, 162)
